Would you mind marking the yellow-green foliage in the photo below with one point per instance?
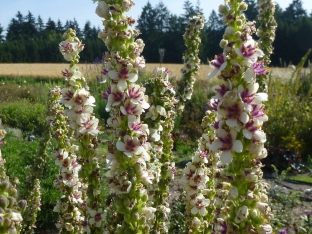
(289, 110)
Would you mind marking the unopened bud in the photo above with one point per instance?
(222, 9)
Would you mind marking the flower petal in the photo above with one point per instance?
(226, 157)
(237, 146)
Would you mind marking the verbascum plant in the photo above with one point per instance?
(240, 114)
(79, 105)
(160, 119)
(10, 209)
(33, 176)
(267, 28)
(128, 175)
(34, 203)
(191, 60)
(266, 34)
(199, 183)
(69, 207)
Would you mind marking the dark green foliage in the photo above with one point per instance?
(30, 40)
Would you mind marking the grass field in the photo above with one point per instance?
(54, 69)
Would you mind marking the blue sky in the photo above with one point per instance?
(83, 10)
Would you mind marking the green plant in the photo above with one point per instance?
(29, 117)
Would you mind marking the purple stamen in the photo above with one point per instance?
(233, 111)
(130, 146)
(246, 97)
(106, 93)
(248, 51)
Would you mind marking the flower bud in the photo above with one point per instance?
(12, 202)
(223, 43)
(243, 6)
(4, 185)
(222, 9)
(4, 202)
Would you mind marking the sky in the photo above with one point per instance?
(83, 10)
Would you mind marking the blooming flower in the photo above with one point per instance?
(249, 51)
(131, 146)
(200, 203)
(228, 144)
(219, 63)
(122, 76)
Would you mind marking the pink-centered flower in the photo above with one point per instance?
(114, 98)
(130, 146)
(130, 109)
(90, 126)
(70, 49)
(136, 95)
(227, 144)
(218, 64)
(136, 125)
(249, 94)
(249, 51)
(199, 205)
(233, 109)
(122, 76)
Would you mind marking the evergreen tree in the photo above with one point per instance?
(1, 34)
(59, 27)
(251, 13)
(50, 25)
(87, 30)
(40, 26)
(29, 27)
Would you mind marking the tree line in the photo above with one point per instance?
(30, 40)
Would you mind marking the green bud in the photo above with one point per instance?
(12, 202)
(223, 43)
(13, 192)
(135, 216)
(144, 197)
(223, 10)
(4, 185)
(22, 204)
(239, 22)
(7, 222)
(243, 6)
(146, 229)
(238, 34)
(142, 221)
(127, 218)
(4, 202)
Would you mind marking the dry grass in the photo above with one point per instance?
(91, 70)
(54, 69)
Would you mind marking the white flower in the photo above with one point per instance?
(114, 98)
(90, 126)
(102, 9)
(241, 214)
(154, 111)
(131, 146)
(266, 229)
(96, 217)
(249, 51)
(200, 203)
(196, 223)
(136, 125)
(148, 212)
(122, 76)
(219, 63)
(226, 143)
